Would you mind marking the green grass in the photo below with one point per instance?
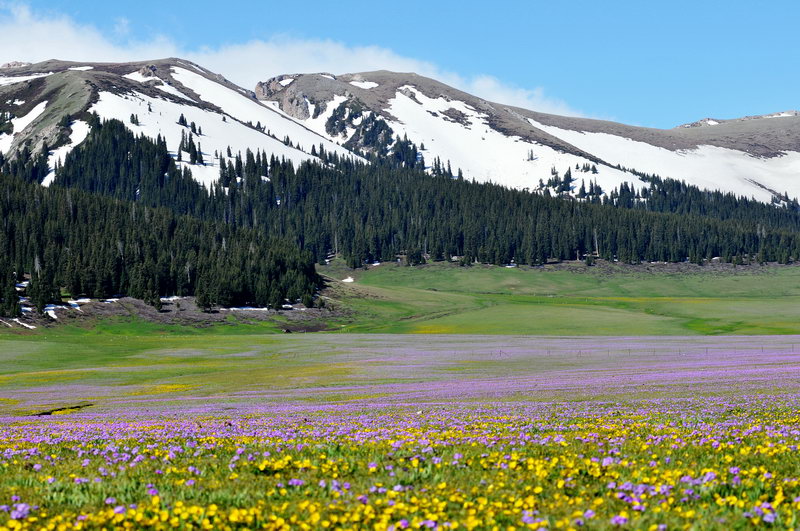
(447, 299)
(444, 298)
(109, 360)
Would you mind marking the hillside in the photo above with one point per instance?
(297, 116)
(150, 97)
(756, 156)
(160, 179)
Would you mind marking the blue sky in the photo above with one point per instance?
(656, 64)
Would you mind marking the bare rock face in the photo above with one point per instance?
(148, 71)
(297, 106)
(15, 64)
(267, 89)
(292, 102)
(409, 94)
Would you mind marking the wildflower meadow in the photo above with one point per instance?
(664, 441)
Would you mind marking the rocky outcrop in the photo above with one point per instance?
(15, 64)
(148, 71)
(293, 103)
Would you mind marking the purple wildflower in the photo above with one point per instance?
(619, 520)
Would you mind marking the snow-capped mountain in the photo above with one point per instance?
(290, 116)
(755, 156)
(150, 97)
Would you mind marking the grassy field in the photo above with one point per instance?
(568, 299)
(446, 299)
(390, 432)
(640, 419)
(150, 373)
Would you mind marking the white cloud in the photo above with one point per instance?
(29, 36)
(255, 61)
(492, 88)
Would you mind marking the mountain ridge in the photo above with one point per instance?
(355, 114)
(154, 94)
(754, 146)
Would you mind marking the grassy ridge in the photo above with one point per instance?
(443, 298)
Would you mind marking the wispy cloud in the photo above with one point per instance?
(29, 36)
(122, 27)
(32, 36)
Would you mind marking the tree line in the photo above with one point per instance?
(391, 206)
(95, 246)
(159, 232)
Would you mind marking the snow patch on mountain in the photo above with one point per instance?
(81, 68)
(785, 114)
(364, 84)
(708, 167)
(246, 109)
(19, 79)
(138, 77)
(19, 124)
(218, 134)
(159, 84)
(80, 130)
(318, 124)
(24, 121)
(455, 132)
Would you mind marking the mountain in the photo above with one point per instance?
(48, 104)
(168, 180)
(297, 117)
(755, 156)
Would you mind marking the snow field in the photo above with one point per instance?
(217, 134)
(708, 167)
(483, 153)
(246, 109)
(19, 124)
(19, 79)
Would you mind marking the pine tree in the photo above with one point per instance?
(10, 297)
(202, 296)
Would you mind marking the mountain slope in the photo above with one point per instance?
(754, 156)
(150, 97)
(292, 116)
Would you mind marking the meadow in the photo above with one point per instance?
(572, 299)
(434, 432)
(679, 421)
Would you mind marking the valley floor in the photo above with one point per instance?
(558, 397)
(212, 374)
(572, 299)
(565, 299)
